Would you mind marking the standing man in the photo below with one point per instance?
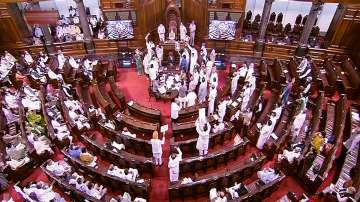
(192, 29)
(156, 146)
(160, 53)
(183, 32)
(138, 61)
(193, 58)
(174, 161)
(202, 143)
(161, 32)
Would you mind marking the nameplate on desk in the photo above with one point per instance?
(164, 128)
(130, 103)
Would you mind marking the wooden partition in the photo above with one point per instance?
(278, 51)
(233, 47)
(72, 48)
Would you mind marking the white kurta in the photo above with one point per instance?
(298, 123)
(183, 32)
(193, 58)
(191, 98)
(174, 166)
(202, 92)
(159, 53)
(222, 109)
(152, 73)
(175, 110)
(234, 83)
(265, 133)
(212, 97)
(203, 139)
(161, 32)
(214, 79)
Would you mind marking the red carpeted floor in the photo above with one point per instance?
(136, 88)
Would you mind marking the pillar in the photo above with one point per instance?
(263, 25)
(304, 39)
(47, 35)
(88, 39)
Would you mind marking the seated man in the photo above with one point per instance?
(58, 168)
(268, 175)
(74, 151)
(128, 133)
(110, 124)
(40, 143)
(114, 146)
(217, 196)
(96, 191)
(318, 141)
(342, 194)
(237, 190)
(218, 127)
(87, 158)
(17, 155)
(290, 155)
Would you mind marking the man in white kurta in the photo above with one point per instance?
(212, 55)
(160, 53)
(265, 133)
(174, 161)
(156, 146)
(297, 124)
(161, 32)
(202, 143)
(175, 108)
(212, 97)
(152, 73)
(222, 110)
(202, 90)
(234, 83)
(183, 32)
(191, 98)
(193, 58)
(192, 29)
(246, 98)
(28, 58)
(214, 78)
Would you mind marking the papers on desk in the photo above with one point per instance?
(162, 90)
(234, 104)
(164, 128)
(273, 135)
(130, 103)
(239, 99)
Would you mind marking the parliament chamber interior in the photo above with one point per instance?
(179, 100)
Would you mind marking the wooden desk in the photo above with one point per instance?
(190, 113)
(215, 159)
(135, 125)
(203, 184)
(122, 158)
(138, 145)
(114, 182)
(144, 113)
(65, 186)
(189, 146)
(182, 129)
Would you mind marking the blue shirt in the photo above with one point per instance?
(75, 152)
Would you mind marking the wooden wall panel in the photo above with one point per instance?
(150, 13)
(347, 28)
(10, 33)
(196, 10)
